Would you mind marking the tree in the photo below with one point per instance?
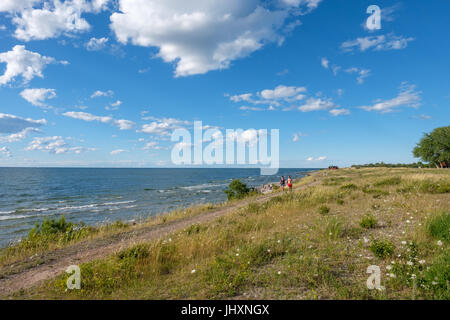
(237, 190)
(434, 147)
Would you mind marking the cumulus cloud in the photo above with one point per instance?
(315, 104)
(55, 145)
(339, 112)
(321, 158)
(407, 97)
(325, 63)
(87, 116)
(162, 126)
(5, 151)
(16, 5)
(100, 93)
(122, 124)
(378, 43)
(53, 18)
(296, 136)
(95, 44)
(200, 36)
(362, 74)
(38, 96)
(274, 97)
(14, 128)
(24, 63)
(118, 151)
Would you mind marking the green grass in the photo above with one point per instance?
(438, 226)
(382, 248)
(284, 249)
(368, 221)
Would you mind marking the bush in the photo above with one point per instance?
(382, 248)
(349, 186)
(237, 190)
(368, 221)
(439, 227)
(324, 210)
(388, 182)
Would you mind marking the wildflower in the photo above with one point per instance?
(388, 267)
(422, 261)
(434, 283)
(268, 250)
(403, 242)
(193, 271)
(279, 241)
(392, 275)
(407, 221)
(409, 263)
(237, 254)
(279, 272)
(439, 243)
(413, 276)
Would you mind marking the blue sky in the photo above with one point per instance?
(104, 83)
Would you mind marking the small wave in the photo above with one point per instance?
(10, 217)
(7, 212)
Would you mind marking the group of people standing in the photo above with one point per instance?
(283, 183)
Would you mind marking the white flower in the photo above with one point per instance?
(439, 243)
(279, 241)
(403, 242)
(422, 261)
(413, 276)
(434, 283)
(388, 267)
(279, 272)
(409, 263)
(193, 271)
(392, 275)
(237, 254)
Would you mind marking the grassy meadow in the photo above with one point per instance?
(314, 243)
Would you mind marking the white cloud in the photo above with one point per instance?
(325, 63)
(362, 74)
(381, 42)
(55, 145)
(124, 124)
(200, 36)
(162, 126)
(118, 151)
(100, 93)
(54, 18)
(16, 5)
(95, 44)
(87, 116)
(322, 158)
(152, 145)
(339, 112)
(116, 104)
(38, 96)
(17, 128)
(5, 151)
(314, 104)
(21, 62)
(296, 136)
(281, 94)
(407, 97)
(247, 108)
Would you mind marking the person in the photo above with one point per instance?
(282, 183)
(289, 183)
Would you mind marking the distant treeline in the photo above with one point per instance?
(394, 165)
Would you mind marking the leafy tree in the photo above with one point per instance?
(237, 190)
(434, 147)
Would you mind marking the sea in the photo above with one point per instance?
(100, 195)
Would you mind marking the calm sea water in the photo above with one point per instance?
(28, 195)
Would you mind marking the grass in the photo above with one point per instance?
(284, 249)
(368, 221)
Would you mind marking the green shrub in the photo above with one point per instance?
(349, 186)
(368, 221)
(439, 226)
(388, 182)
(340, 201)
(237, 190)
(334, 229)
(324, 210)
(382, 248)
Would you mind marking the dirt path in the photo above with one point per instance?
(26, 274)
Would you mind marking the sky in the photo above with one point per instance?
(104, 83)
